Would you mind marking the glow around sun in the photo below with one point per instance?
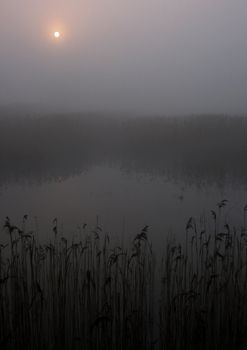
(56, 35)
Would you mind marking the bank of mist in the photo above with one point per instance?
(197, 149)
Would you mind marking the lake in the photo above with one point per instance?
(121, 175)
(121, 202)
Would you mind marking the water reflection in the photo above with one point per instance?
(202, 150)
(129, 173)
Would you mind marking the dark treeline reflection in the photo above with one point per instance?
(196, 149)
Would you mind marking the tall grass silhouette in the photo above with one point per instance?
(204, 288)
(86, 295)
(91, 295)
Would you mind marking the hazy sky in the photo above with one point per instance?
(161, 56)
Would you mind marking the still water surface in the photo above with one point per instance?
(121, 201)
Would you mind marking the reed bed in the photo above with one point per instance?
(86, 295)
(91, 295)
(204, 288)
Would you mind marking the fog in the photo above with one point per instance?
(57, 147)
(159, 56)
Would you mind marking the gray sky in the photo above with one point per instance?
(161, 56)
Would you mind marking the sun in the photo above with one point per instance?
(56, 35)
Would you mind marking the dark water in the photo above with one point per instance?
(122, 203)
(121, 176)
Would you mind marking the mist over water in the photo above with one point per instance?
(120, 171)
(123, 174)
